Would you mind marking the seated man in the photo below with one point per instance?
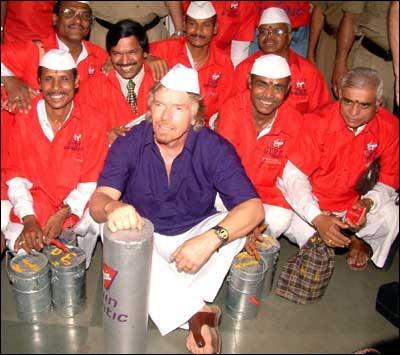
(321, 178)
(261, 125)
(195, 50)
(20, 59)
(308, 90)
(169, 170)
(122, 94)
(56, 153)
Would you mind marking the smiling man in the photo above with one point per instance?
(169, 170)
(308, 90)
(20, 59)
(57, 151)
(262, 126)
(337, 146)
(195, 50)
(122, 93)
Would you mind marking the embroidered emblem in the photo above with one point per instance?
(91, 70)
(75, 143)
(300, 88)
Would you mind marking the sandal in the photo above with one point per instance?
(206, 318)
(353, 254)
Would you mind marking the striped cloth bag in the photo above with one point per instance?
(305, 276)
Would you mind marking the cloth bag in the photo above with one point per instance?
(305, 276)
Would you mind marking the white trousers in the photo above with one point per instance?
(176, 296)
(277, 219)
(379, 232)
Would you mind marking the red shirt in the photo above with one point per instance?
(308, 88)
(104, 93)
(298, 11)
(263, 158)
(56, 168)
(333, 158)
(236, 21)
(28, 20)
(23, 58)
(215, 76)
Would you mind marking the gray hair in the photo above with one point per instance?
(362, 77)
(197, 106)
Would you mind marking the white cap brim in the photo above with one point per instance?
(181, 78)
(274, 15)
(58, 59)
(271, 66)
(201, 10)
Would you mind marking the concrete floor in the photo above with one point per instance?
(344, 321)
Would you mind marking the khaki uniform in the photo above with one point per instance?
(139, 11)
(326, 48)
(372, 25)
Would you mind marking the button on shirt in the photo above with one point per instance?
(207, 164)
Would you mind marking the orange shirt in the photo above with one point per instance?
(263, 158)
(28, 20)
(23, 58)
(334, 158)
(308, 88)
(104, 94)
(55, 168)
(236, 21)
(215, 76)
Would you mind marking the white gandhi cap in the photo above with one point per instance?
(85, 2)
(274, 15)
(271, 66)
(181, 78)
(58, 59)
(200, 10)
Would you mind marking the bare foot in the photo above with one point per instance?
(208, 324)
(358, 256)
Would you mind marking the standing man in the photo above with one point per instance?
(122, 94)
(309, 90)
(26, 20)
(337, 145)
(325, 19)
(363, 39)
(58, 149)
(20, 59)
(169, 170)
(262, 126)
(150, 14)
(195, 50)
(236, 23)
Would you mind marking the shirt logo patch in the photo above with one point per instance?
(91, 70)
(233, 10)
(273, 152)
(213, 80)
(75, 143)
(370, 151)
(234, 5)
(300, 88)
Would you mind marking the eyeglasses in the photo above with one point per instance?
(70, 13)
(278, 32)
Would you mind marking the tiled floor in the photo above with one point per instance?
(342, 322)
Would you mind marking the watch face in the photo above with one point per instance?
(222, 233)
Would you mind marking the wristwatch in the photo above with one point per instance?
(222, 234)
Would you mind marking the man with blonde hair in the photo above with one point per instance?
(169, 170)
